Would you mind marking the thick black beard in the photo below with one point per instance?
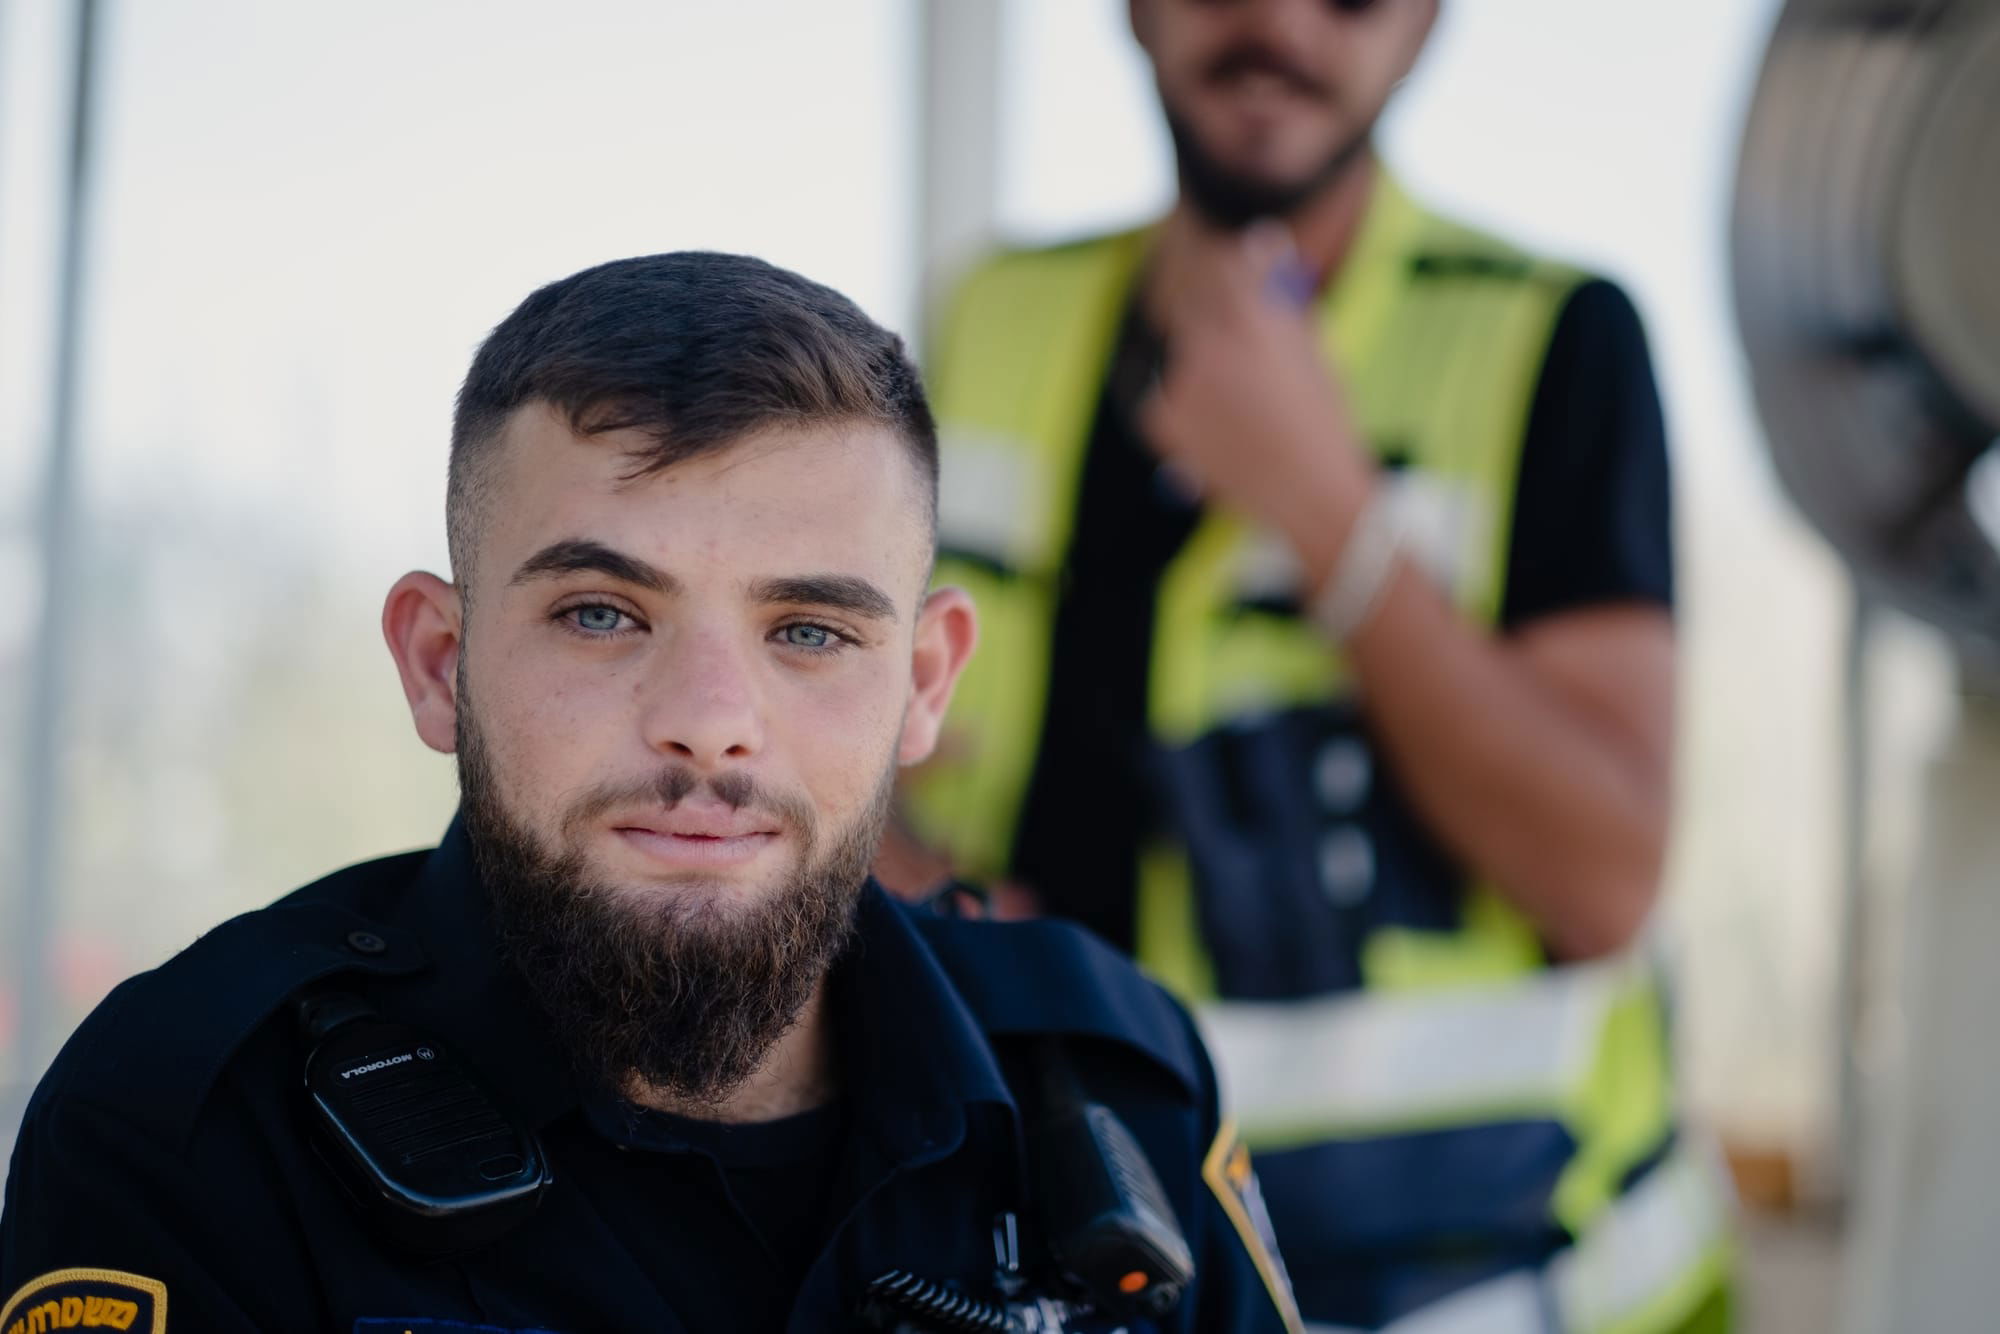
(686, 996)
(1231, 200)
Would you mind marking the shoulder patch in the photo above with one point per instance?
(1229, 1174)
(86, 1299)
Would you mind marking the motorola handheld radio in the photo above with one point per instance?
(1105, 1220)
(423, 1150)
(1106, 1217)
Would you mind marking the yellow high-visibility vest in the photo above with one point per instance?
(1438, 334)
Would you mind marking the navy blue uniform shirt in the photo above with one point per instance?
(163, 1177)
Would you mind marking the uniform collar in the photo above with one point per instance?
(912, 1056)
(474, 997)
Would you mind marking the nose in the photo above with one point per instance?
(1285, 23)
(699, 703)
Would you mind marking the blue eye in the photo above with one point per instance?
(809, 636)
(598, 620)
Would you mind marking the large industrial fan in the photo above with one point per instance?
(1867, 269)
(1867, 275)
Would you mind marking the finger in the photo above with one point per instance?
(1227, 260)
(1178, 478)
(1154, 415)
(1273, 255)
(1241, 274)
(1206, 284)
(1179, 294)
(1149, 414)
(1184, 278)
(1014, 902)
(1267, 243)
(1154, 420)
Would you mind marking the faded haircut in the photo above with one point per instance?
(696, 350)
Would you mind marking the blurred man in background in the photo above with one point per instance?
(1322, 548)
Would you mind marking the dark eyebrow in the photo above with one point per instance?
(581, 556)
(841, 592)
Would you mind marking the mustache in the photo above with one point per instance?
(676, 783)
(1254, 57)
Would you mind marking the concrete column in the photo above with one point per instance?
(959, 139)
(1925, 1240)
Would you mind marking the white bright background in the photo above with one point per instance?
(309, 215)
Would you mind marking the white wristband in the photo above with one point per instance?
(1362, 573)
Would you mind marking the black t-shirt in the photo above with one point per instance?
(1591, 525)
(763, 1195)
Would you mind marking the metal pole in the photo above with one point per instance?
(1851, 980)
(6, 13)
(959, 139)
(43, 775)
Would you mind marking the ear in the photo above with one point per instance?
(424, 624)
(947, 630)
(1139, 14)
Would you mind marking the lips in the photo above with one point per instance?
(1260, 70)
(675, 852)
(697, 834)
(698, 820)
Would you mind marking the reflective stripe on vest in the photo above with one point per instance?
(1646, 1268)
(1582, 1045)
(1297, 1071)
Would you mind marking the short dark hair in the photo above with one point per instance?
(696, 349)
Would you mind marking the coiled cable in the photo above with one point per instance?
(951, 1311)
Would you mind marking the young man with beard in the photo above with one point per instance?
(1321, 546)
(691, 516)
